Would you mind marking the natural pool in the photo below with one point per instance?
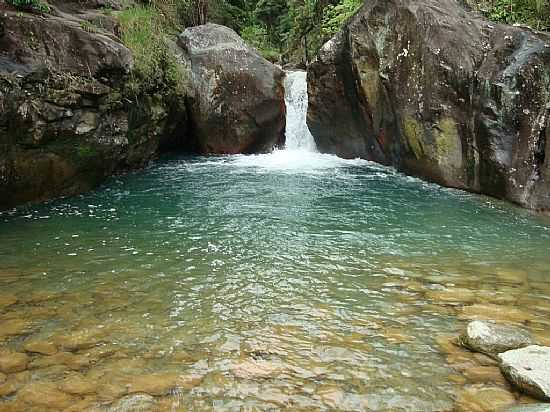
(291, 281)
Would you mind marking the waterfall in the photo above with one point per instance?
(298, 136)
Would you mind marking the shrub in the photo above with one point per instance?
(31, 5)
(143, 32)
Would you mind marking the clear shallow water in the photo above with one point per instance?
(293, 281)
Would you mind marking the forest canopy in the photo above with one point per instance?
(293, 30)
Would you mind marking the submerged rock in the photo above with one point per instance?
(133, 403)
(539, 407)
(479, 398)
(529, 370)
(238, 97)
(12, 362)
(40, 347)
(439, 93)
(155, 384)
(492, 338)
(46, 395)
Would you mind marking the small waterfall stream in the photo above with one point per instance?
(298, 136)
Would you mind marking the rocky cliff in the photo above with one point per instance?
(66, 121)
(440, 93)
(72, 111)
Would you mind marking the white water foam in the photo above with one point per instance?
(298, 136)
(300, 153)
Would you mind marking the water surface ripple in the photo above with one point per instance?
(293, 281)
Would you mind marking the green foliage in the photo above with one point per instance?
(335, 16)
(88, 26)
(535, 13)
(143, 32)
(86, 151)
(29, 5)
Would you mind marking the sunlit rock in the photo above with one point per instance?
(528, 369)
(492, 338)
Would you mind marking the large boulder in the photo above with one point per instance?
(237, 103)
(440, 93)
(528, 369)
(66, 120)
(492, 338)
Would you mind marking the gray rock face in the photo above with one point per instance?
(65, 120)
(491, 338)
(439, 93)
(237, 103)
(529, 370)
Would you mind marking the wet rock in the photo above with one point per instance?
(45, 394)
(136, 402)
(7, 299)
(478, 398)
(89, 404)
(253, 369)
(484, 374)
(71, 120)
(79, 340)
(14, 327)
(485, 360)
(528, 369)
(110, 391)
(454, 296)
(40, 347)
(155, 384)
(439, 93)
(77, 384)
(492, 338)
(12, 362)
(499, 313)
(238, 96)
(396, 335)
(70, 360)
(8, 388)
(539, 407)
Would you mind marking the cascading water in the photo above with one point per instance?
(300, 153)
(298, 136)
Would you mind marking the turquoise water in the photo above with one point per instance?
(289, 281)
